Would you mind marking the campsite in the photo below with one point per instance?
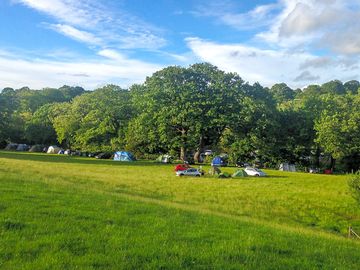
(191, 134)
(66, 211)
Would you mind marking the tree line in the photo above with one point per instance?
(184, 111)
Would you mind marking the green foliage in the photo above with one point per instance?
(95, 121)
(338, 131)
(281, 92)
(354, 186)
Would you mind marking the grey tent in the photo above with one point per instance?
(36, 148)
(11, 147)
(22, 147)
(287, 167)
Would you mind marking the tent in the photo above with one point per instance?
(22, 147)
(36, 148)
(123, 156)
(53, 149)
(11, 146)
(239, 173)
(164, 159)
(218, 161)
(287, 167)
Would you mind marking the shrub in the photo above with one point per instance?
(354, 185)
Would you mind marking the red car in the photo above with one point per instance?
(181, 167)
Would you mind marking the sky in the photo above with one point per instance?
(91, 43)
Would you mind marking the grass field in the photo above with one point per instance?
(60, 212)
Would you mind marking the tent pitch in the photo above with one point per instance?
(124, 156)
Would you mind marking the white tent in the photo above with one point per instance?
(287, 167)
(53, 149)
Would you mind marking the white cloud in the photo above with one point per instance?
(111, 54)
(76, 34)
(225, 12)
(273, 66)
(40, 73)
(311, 24)
(98, 22)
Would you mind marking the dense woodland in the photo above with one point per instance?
(183, 111)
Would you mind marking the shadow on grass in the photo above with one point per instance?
(42, 157)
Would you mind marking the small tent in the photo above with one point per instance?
(123, 156)
(36, 148)
(164, 159)
(287, 167)
(218, 161)
(22, 147)
(239, 173)
(53, 149)
(11, 147)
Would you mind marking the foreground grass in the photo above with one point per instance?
(61, 212)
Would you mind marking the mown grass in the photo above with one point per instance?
(59, 212)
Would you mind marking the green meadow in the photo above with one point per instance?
(60, 212)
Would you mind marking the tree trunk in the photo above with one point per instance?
(317, 162)
(199, 150)
(183, 145)
(332, 163)
(182, 153)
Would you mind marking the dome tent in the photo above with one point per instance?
(22, 147)
(11, 147)
(164, 159)
(36, 148)
(124, 156)
(239, 173)
(53, 149)
(218, 161)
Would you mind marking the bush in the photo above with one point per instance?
(354, 185)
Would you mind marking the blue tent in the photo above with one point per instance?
(218, 161)
(123, 156)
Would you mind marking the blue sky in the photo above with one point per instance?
(49, 43)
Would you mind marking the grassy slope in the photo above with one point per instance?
(60, 212)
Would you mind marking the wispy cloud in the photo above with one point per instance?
(76, 34)
(95, 23)
(225, 13)
(89, 73)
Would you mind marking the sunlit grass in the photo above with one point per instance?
(61, 212)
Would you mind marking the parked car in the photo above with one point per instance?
(189, 172)
(182, 167)
(105, 155)
(254, 171)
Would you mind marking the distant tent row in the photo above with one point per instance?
(17, 147)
